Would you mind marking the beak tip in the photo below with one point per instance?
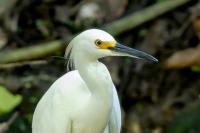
(155, 60)
(151, 58)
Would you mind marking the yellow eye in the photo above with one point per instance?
(98, 42)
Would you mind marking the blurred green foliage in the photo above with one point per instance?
(195, 69)
(187, 121)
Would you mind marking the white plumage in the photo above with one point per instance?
(84, 100)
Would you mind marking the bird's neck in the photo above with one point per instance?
(95, 75)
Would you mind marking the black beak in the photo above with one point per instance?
(132, 52)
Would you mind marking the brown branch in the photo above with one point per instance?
(5, 126)
(183, 58)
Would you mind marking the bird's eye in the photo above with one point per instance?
(98, 42)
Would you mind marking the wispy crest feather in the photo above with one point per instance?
(68, 57)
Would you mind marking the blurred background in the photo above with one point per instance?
(158, 97)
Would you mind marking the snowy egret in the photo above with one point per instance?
(84, 100)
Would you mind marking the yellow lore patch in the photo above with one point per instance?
(105, 44)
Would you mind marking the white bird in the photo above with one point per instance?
(84, 100)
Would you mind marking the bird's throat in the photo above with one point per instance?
(99, 85)
(96, 77)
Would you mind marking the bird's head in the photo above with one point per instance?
(97, 44)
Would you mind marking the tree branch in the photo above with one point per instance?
(140, 17)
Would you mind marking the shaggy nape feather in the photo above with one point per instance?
(69, 57)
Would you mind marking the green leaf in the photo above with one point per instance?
(8, 101)
(195, 69)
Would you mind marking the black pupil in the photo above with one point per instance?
(98, 42)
